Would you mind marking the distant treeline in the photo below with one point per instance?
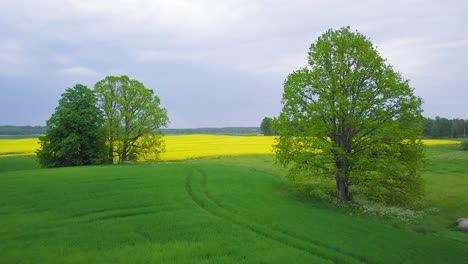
(39, 130)
(445, 128)
(433, 128)
(22, 130)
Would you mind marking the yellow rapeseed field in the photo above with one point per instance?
(177, 147)
(189, 146)
(199, 146)
(18, 147)
(435, 142)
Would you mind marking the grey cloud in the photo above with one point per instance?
(218, 63)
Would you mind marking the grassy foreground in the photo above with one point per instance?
(225, 210)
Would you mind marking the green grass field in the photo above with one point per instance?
(224, 210)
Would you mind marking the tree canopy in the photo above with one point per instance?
(266, 128)
(74, 133)
(132, 115)
(441, 127)
(350, 120)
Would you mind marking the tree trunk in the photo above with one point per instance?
(343, 192)
(124, 153)
(343, 139)
(341, 176)
(111, 152)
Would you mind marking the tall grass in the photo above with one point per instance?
(224, 210)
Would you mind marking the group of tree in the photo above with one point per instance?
(266, 127)
(22, 130)
(445, 128)
(75, 134)
(439, 127)
(351, 123)
(132, 116)
(117, 121)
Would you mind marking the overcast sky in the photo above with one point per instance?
(217, 63)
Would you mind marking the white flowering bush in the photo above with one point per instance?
(363, 206)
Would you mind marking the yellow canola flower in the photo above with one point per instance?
(199, 146)
(191, 146)
(436, 142)
(18, 147)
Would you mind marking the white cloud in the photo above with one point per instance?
(422, 57)
(62, 60)
(79, 72)
(176, 16)
(250, 43)
(452, 44)
(408, 55)
(11, 52)
(13, 60)
(173, 55)
(278, 66)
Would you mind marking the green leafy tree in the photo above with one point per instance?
(350, 120)
(458, 127)
(132, 115)
(75, 134)
(266, 128)
(442, 127)
(464, 145)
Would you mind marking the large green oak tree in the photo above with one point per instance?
(349, 118)
(132, 116)
(75, 134)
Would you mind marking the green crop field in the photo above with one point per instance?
(218, 210)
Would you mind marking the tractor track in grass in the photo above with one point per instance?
(93, 216)
(213, 207)
(285, 232)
